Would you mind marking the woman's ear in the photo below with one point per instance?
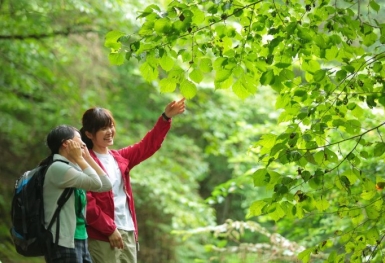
(64, 144)
(89, 135)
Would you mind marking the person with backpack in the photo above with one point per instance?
(112, 226)
(71, 166)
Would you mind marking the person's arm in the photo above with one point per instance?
(152, 141)
(81, 156)
(96, 216)
(66, 175)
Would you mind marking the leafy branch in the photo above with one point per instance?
(67, 32)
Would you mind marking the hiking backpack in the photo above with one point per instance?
(28, 232)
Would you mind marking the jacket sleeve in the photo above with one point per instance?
(150, 143)
(96, 217)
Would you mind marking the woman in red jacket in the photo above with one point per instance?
(111, 221)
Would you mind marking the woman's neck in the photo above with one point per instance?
(100, 150)
(65, 155)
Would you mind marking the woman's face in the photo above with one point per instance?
(104, 137)
(78, 138)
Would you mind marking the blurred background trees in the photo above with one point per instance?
(201, 197)
(54, 66)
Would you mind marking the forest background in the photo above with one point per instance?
(279, 156)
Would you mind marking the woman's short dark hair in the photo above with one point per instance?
(56, 137)
(93, 120)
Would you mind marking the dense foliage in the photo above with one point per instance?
(324, 61)
(54, 66)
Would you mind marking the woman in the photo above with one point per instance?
(112, 227)
(75, 169)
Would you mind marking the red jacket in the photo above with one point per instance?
(100, 206)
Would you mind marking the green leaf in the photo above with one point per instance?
(222, 75)
(162, 26)
(267, 77)
(370, 39)
(319, 75)
(311, 66)
(188, 89)
(256, 208)
(223, 84)
(331, 156)
(281, 189)
(282, 65)
(276, 212)
(304, 35)
(377, 67)
(372, 235)
(353, 126)
(319, 157)
(368, 195)
(205, 65)
(177, 73)
(267, 140)
(149, 10)
(167, 85)
(305, 175)
(240, 90)
(305, 255)
(148, 72)
(373, 4)
(341, 75)
(379, 149)
(353, 175)
(147, 28)
(117, 58)
(196, 76)
(261, 177)
(166, 62)
(322, 204)
(331, 54)
(372, 212)
(111, 40)
(198, 16)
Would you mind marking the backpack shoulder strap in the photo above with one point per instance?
(60, 203)
(62, 200)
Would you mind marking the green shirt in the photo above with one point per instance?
(80, 204)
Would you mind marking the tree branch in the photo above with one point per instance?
(46, 35)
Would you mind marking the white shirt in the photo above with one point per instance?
(123, 219)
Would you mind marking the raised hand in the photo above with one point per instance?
(74, 149)
(175, 108)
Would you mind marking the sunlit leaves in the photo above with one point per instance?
(256, 208)
(373, 4)
(324, 63)
(196, 75)
(162, 26)
(267, 77)
(188, 89)
(266, 177)
(305, 255)
(205, 65)
(167, 85)
(148, 72)
(379, 149)
(117, 58)
(112, 38)
(166, 62)
(322, 204)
